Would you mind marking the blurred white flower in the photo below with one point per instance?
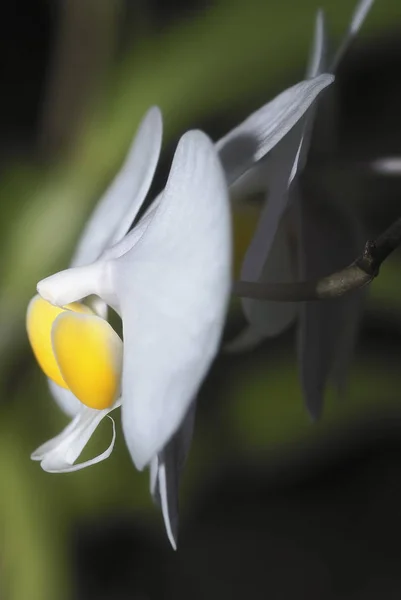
(327, 239)
(389, 165)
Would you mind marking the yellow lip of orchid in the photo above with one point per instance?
(89, 354)
(39, 321)
(77, 350)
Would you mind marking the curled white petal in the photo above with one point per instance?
(117, 209)
(260, 132)
(65, 399)
(173, 287)
(59, 454)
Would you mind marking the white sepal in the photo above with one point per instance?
(277, 171)
(165, 506)
(260, 132)
(117, 209)
(59, 454)
(173, 288)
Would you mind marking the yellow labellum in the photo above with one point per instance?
(39, 321)
(89, 355)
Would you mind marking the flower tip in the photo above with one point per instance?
(140, 461)
(173, 543)
(198, 136)
(156, 113)
(35, 456)
(45, 291)
(330, 78)
(142, 450)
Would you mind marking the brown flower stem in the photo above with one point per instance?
(358, 274)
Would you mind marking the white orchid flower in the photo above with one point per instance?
(169, 280)
(326, 329)
(168, 285)
(157, 429)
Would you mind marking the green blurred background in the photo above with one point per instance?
(272, 505)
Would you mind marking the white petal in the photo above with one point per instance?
(278, 169)
(271, 318)
(362, 9)
(253, 180)
(59, 454)
(65, 399)
(117, 209)
(135, 235)
(170, 516)
(317, 60)
(259, 133)
(173, 289)
(166, 470)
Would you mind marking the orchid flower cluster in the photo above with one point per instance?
(169, 280)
